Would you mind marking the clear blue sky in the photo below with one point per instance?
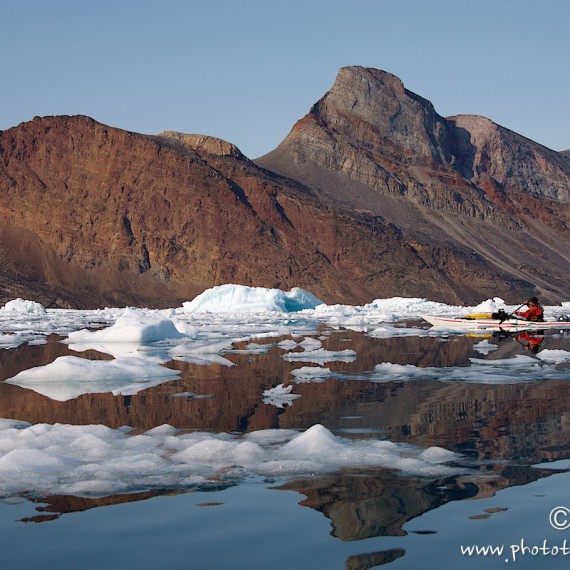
(246, 70)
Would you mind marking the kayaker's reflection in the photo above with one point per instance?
(531, 340)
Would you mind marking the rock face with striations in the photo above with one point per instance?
(372, 194)
(463, 182)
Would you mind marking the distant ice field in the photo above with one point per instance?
(88, 460)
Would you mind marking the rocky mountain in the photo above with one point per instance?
(463, 182)
(372, 194)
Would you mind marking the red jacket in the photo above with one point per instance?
(535, 313)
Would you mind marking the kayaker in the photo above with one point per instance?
(535, 311)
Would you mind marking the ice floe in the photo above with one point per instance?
(132, 326)
(310, 374)
(68, 377)
(94, 460)
(554, 355)
(520, 368)
(23, 306)
(280, 396)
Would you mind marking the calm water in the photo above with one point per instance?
(354, 519)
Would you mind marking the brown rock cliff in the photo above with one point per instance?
(372, 194)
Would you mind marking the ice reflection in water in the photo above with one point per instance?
(501, 428)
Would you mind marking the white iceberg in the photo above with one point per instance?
(133, 326)
(243, 299)
(24, 307)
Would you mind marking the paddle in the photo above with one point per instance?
(505, 316)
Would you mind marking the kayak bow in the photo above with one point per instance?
(470, 323)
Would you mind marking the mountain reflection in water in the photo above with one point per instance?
(517, 422)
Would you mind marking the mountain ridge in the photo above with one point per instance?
(367, 197)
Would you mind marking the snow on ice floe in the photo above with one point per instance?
(490, 306)
(243, 299)
(94, 460)
(68, 377)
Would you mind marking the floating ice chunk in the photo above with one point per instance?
(280, 396)
(253, 348)
(554, 355)
(124, 349)
(13, 340)
(6, 424)
(97, 460)
(189, 395)
(490, 306)
(132, 327)
(279, 390)
(562, 464)
(271, 436)
(321, 356)
(68, 377)
(23, 306)
(396, 307)
(520, 360)
(203, 352)
(164, 429)
(310, 343)
(220, 453)
(311, 374)
(242, 299)
(312, 442)
(437, 455)
(389, 372)
(287, 344)
(485, 347)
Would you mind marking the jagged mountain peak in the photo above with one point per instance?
(367, 79)
(371, 107)
(371, 144)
